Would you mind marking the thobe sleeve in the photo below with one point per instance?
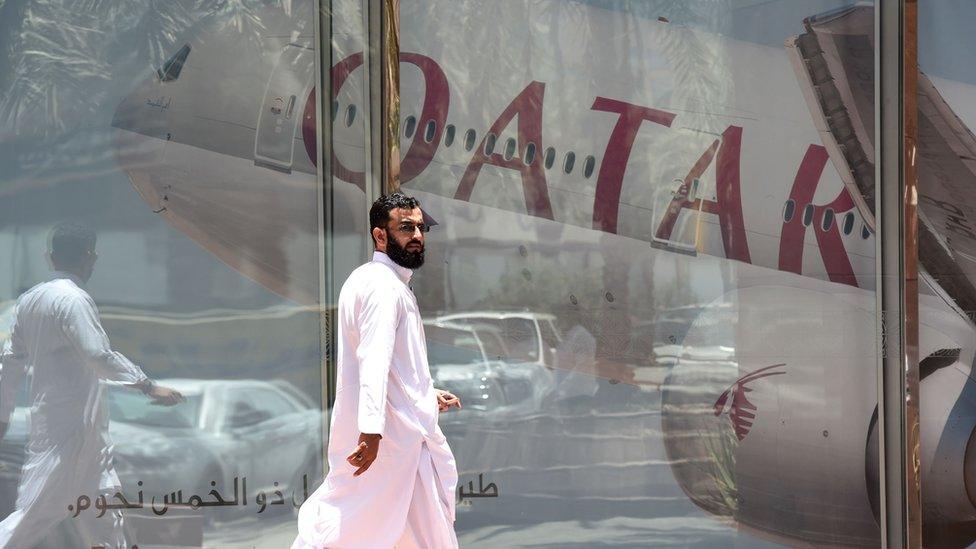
(13, 366)
(377, 324)
(81, 324)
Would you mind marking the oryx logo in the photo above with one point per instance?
(742, 412)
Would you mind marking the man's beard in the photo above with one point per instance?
(404, 257)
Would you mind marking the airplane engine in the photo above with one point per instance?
(770, 419)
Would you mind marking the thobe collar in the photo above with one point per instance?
(70, 276)
(401, 271)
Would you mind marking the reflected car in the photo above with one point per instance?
(268, 432)
(523, 336)
(458, 355)
(265, 431)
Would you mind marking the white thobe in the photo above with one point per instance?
(406, 498)
(57, 332)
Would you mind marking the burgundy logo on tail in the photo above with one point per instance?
(742, 412)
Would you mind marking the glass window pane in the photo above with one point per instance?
(666, 342)
(185, 156)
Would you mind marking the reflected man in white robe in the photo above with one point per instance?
(392, 476)
(57, 334)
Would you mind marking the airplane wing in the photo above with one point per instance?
(834, 62)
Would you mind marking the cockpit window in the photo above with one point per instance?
(171, 69)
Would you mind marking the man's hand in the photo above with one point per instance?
(3, 429)
(164, 396)
(365, 454)
(446, 400)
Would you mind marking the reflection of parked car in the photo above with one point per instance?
(458, 355)
(12, 455)
(522, 336)
(266, 431)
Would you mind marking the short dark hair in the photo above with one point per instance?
(379, 213)
(70, 243)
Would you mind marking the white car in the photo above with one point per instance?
(266, 431)
(461, 361)
(522, 336)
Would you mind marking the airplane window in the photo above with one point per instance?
(788, 210)
(350, 115)
(808, 215)
(335, 110)
(828, 220)
(430, 130)
(172, 68)
(569, 162)
(469, 137)
(865, 232)
(449, 135)
(510, 148)
(490, 144)
(588, 166)
(529, 153)
(550, 157)
(848, 223)
(409, 127)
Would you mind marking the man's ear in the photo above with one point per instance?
(379, 237)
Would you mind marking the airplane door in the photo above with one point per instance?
(281, 110)
(678, 229)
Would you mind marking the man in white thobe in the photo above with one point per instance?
(57, 334)
(392, 476)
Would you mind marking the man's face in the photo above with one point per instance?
(405, 237)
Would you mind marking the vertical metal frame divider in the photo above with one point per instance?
(897, 271)
(384, 96)
(373, 15)
(377, 15)
(323, 158)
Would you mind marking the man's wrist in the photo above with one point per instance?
(146, 386)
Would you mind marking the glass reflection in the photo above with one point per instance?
(672, 340)
(189, 144)
(946, 242)
(57, 335)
